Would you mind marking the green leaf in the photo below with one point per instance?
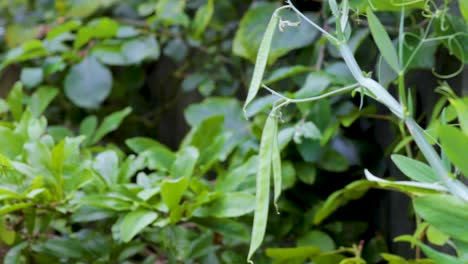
(107, 165)
(29, 50)
(286, 72)
(111, 123)
(447, 213)
(82, 8)
(137, 50)
(172, 191)
(455, 146)
(208, 136)
(227, 205)
(317, 238)
(134, 222)
(292, 253)
(431, 253)
(11, 144)
(414, 169)
(386, 5)
(158, 156)
(383, 41)
(315, 84)
(15, 100)
(63, 28)
(248, 37)
(262, 59)
(41, 99)
(171, 12)
(352, 191)
(333, 161)
(263, 184)
(202, 18)
(6, 209)
(227, 227)
(31, 77)
(100, 28)
(436, 237)
(236, 176)
(463, 5)
(87, 128)
(13, 255)
(184, 163)
(88, 83)
(410, 187)
(234, 122)
(306, 172)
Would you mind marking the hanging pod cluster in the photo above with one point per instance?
(270, 160)
(269, 166)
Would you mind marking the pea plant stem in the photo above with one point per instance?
(383, 96)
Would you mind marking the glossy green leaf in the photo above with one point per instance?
(202, 18)
(306, 172)
(15, 100)
(171, 12)
(235, 177)
(88, 127)
(415, 169)
(317, 238)
(445, 212)
(184, 163)
(352, 191)
(387, 5)
(293, 253)
(262, 59)
(13, 256)
(428, 251)
(137, 50)
(172, 191)
(455, 146)
(111, 123)
(134, 222)
(410, 187)
(383, 41)
(230, 228)
(263, 184)
(41, 99)
(251, 29)
(31, 77)
(88, 83)
(463, 5)
(286, 72)
(333, 161)
(5, 209)
(228, 205)
(436, 237)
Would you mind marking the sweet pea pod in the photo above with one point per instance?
(276, 166)
(263, 184)
(262, 59)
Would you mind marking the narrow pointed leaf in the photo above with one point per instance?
(414, 169)
(383, 41)
(134, 222)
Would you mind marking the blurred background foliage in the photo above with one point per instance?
(165, 170)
